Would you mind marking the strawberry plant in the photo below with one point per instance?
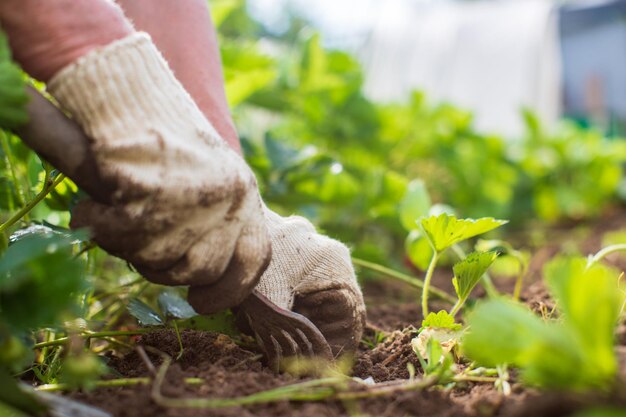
(575, 348)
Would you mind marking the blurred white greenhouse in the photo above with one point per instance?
(493, 57)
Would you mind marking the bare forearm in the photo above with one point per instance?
(189, 43)
(47, 36)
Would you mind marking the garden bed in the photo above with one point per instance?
(227, 370)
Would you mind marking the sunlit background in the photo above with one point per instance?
(490, 56)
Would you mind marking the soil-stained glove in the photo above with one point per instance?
(312, 274)
(182, 207)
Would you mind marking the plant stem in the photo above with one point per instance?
(180, 341)
(605, 252)
(427, 279)
(415, 282)
(315, 390)
(11, 164)
(309, 390)
(48, 186)
(89, 335)
(121, 382)
(455, 309)
(469, 378)
(388, 390)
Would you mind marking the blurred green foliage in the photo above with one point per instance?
(323, 149)
(575, 349)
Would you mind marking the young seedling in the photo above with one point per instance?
(176, 311)
(172, 306)
(574, 352)
(436, 361)
(439, 328)
(444, 231)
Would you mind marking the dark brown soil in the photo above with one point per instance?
(227, 370)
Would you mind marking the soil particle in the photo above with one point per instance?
(537, 297)
(229, 371)
(388, 361)
(479, 400)
(391, 317)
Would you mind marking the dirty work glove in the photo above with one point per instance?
(183, 208)
(312, 274)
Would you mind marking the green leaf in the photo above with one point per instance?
(144, 313)
(280, 155)
(173, 305)
(591, 301)
(501, 331)
(13, 396)
(439, 361)
(13, 97)
(8, 194)
(414, 205)
(16, 353)
(82, 370)
(39, 280)
(602, 412)
(470, 270)
(221, 9)
(549, 353)
(8, 411)
(440, 320)
(445, 230)
(418, 249)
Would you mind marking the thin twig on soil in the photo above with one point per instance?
(146, 360)
(331, 388)
(90, 335)
(113, 383)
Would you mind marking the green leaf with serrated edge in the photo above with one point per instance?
(173, 305)
(414, 205)
(468, 272)
(442, 320)
(144, 313)
(590, 300)
(13, 97)
(445, 230)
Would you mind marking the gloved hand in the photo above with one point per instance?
(180, 205)
(312, 274)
